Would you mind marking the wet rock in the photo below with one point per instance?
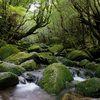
(22, 80)
(30, 77)
(78, 55)
(8, 79)
(54, 77)
(7, 51)
(8, 67)
(90, 87)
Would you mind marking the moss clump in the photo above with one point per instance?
(70, 63)
(29, 65)
(21, 57)
(7, 51)
(83, 62)
(8, 79)
(56, 48)
(77, 55)
(55, 77)
(7, 67)
(90, 87)
(97, 72)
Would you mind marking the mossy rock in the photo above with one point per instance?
(78, 55)
(29, 65)
(2, 43)
(63, 53)
(55, 77)
(22, 57)
(35, 48)
(97, 72)
(97, 60)
(46, 58)
(56, 49)
(8, 67)
(7, 51)
(8, 79)
(91, 66)
(70, 63)
(90, 87)
(83, 62)
(61, 59)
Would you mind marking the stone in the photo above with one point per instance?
(7, 51)
(90, 87)
(82, 63)
(56, 49)
(29, 65)
(78, 55)
(8, 67)
(8, 79)
(22, 57)
(55, 77)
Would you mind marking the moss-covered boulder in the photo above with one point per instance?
(78, 55)
(91, 66)
(90, 87)
(54, 77)
(8, 67)
(70, 63)
(7, 50)
(46, 58)
(35, 48)
(8, 79)
(97, 72)
(63, 53)
(56, 49)
(83, 62)
(22, 57)
(29, 65)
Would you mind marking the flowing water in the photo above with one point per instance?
(31, 91)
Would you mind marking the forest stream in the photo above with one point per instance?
(31, 91)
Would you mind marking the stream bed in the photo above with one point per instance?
(31, 91)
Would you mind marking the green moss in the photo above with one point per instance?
(90, 87)
(29, 65)
(8, 79)
(7, 50)
(56, 48)
(97, 72)
(54, 77)
(77, 55)
(7, 67)
(98, 60)
(83, 62)
(21, 57)
(70, 63)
